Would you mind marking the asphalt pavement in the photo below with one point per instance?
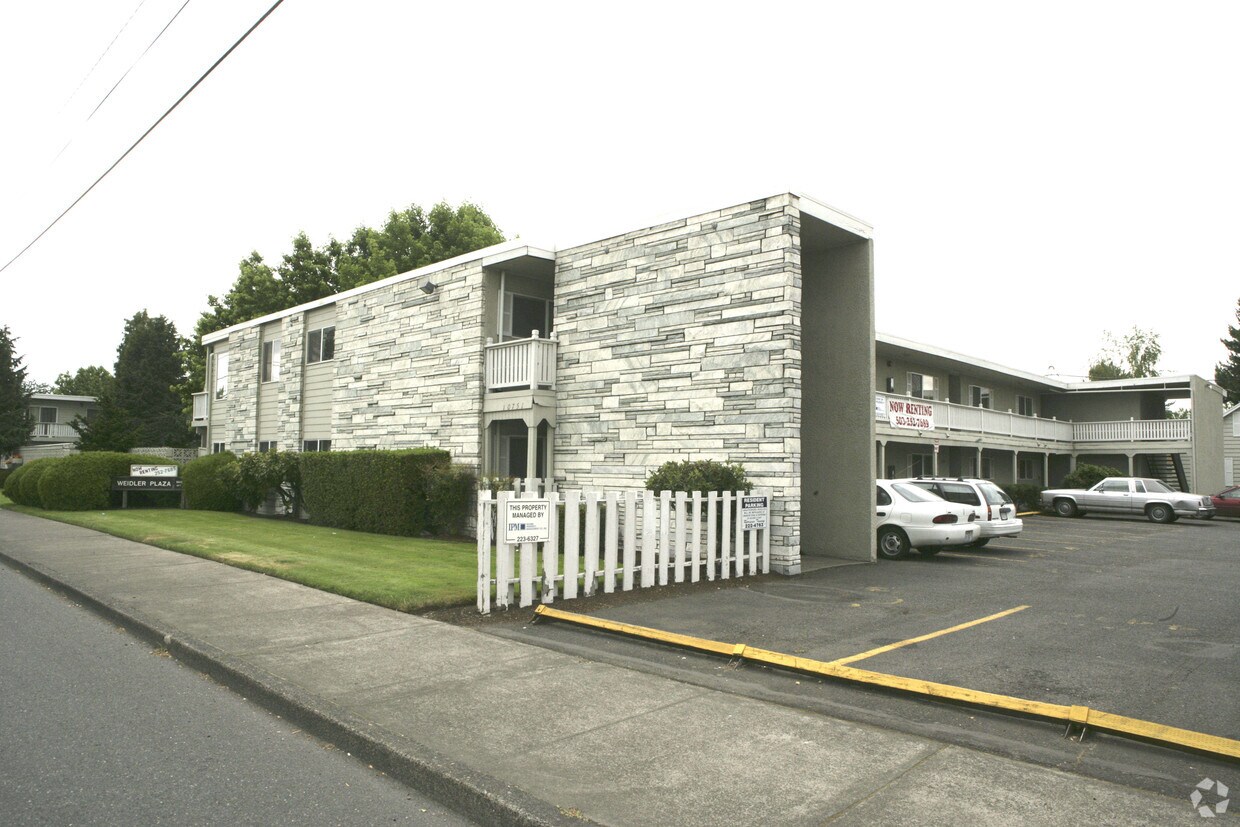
(509, 732)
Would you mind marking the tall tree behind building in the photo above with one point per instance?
(1227, 372)
(1132, 356)
(144, 408)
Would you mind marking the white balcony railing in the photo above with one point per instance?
(949, 416)
(521, 363)
(202, 408)
(1134, 430)
(54, 430)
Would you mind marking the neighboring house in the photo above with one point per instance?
(53, 435)
(744, 333)
(1231, 446)
(940, 412)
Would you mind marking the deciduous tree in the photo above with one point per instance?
(96, 381)
(1134, 355)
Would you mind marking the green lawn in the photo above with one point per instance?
(403, 573)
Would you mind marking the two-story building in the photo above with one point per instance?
(53, 435)
(939, 412)
(743, 333)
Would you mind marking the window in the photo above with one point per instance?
(979, 397)
(265, 446)
(1138, 486)
(217, 448)
(921, 386)
(1025, 469)
(523, 315)
(221, 375)
(270, 370)
(1114, 485)
(891, 384)
(316, 445)
(881, 497)
(959, 492)
(321, 345)
(91, 413)
(1024, 405)
(47, 416)
(921, 465)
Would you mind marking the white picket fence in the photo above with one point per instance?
(631, 539)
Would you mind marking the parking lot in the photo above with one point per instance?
(1116, 614)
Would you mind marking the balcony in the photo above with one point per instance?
(948, 416)
(521, 364)
(59, 431)
(202, 410)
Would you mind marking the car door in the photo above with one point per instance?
(1140, 496)
(1113, 495)
(1227, 504)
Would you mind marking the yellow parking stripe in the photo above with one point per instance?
(1079, 715)
(920, 638)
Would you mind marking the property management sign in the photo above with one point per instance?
(914, 415)
(527, 521)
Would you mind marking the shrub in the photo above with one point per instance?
(256, 477)
(14, 485)
(699, 475)
(449, 492)
(83, 482)
(1087, 476)
(379, 491)
(4, 475)
(1027, 496)
(29, 485)
(210, 483)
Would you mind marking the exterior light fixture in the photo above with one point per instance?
(428, 287)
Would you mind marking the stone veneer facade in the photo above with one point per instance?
(682, 341)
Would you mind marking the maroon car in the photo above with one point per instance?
(1227, 504)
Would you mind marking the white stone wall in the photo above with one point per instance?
(682, 341)
(409, 366)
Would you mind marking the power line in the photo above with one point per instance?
(99, 105)
(151, 129)
(107, 49)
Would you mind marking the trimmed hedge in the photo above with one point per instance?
(449, 492)
(210, 483)
(385, 492)
(257, 476)
(83, 482)
(703, 475)
(13, 488)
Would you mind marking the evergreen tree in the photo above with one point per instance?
(16, 421)
(1227, 372)
(145, 408)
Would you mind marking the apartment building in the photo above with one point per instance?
(53, 435)
(743, 333)
(940, 412)
(1231, 446)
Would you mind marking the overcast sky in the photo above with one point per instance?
(1035, 173)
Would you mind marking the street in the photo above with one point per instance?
(96, 728)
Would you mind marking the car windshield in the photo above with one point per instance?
(914, 494)
(1157, 487)
(994, 494)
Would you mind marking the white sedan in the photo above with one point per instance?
(910, 517)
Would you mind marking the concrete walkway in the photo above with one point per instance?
(507, 732)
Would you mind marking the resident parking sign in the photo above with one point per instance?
(755, 512)
(527, 521)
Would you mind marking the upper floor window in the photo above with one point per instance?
(270, 370)
(47, 416)
(221, 375)
(523, 315)
(321, 345)
(921, 386)
(1024, 405)
(979, 397)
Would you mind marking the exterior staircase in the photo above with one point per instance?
(1168, 468)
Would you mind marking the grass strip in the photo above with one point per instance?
(408, 574)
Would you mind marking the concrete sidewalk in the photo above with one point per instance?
(507, 732)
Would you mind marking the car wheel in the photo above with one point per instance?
(979, 542)
(892, 543)
(1065, 508)
(1160, 513)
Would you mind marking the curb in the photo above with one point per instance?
(476, 795)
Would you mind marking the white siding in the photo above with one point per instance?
(317, 382)
(268, 392)
(1231, 448)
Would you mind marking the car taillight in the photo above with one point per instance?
(945, 518)
(989, 514)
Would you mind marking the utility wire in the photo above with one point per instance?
(151, 129)
(99, 105)
(107, 49)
